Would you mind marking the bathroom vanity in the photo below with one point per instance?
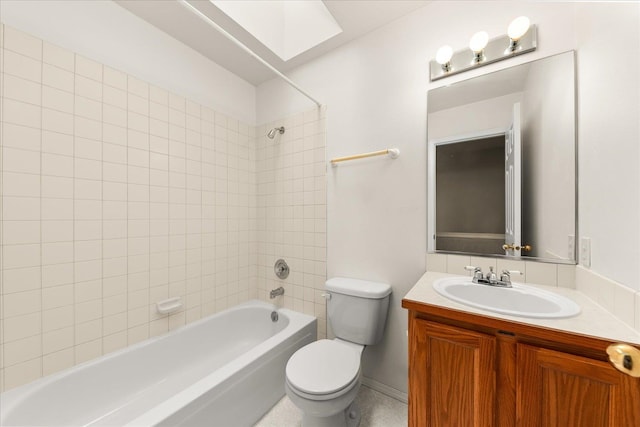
(471, 367)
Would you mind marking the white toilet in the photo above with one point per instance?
(323, 378)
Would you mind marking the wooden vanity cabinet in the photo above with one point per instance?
(468, 370)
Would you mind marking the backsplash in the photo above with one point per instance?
(117, 194)
(622, 302)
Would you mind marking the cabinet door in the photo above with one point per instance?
(451, 376)
(562, 390)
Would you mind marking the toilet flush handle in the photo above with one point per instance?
(326, 295)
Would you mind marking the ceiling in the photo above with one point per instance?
(356, 17)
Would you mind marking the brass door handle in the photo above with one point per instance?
(625, 358)
(525, 248)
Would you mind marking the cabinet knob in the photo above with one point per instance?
(625, 358)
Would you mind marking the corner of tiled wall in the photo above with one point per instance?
(291, 205)
(115, 194)
(621, 301)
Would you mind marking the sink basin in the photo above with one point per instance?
(520, 300)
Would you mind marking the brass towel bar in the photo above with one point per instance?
(392, 152)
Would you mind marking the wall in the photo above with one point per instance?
(376, 90)
(292, 211)
(107, 33)
(115, 194)
(608, 138)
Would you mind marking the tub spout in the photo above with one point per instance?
(275, 292)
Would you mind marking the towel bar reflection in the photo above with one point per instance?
(391, 152)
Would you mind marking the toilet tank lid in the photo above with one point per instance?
(358, 288)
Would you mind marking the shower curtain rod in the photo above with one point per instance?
(242, 46)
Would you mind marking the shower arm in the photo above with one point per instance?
(242, 46)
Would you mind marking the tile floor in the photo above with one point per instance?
(378, 410)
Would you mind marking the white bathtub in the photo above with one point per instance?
(224, 370)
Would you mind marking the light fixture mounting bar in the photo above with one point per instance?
(497, 49)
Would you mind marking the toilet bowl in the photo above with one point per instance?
(323, 378)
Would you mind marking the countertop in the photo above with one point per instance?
(593, 320)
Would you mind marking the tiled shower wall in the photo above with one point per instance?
(292, 212)
(117, 194)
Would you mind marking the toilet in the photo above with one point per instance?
(323, 378)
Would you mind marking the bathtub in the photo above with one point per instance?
(224, 370)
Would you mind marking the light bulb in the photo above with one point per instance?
(444, 55)
(478, 41)
(518, 28)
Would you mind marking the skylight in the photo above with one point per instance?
(288, 28)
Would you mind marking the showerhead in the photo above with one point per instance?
(272, 132)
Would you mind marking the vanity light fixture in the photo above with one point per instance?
(521, 38)
(443, 57)
(477, 44)
(516, 30)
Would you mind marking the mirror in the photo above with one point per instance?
(502, 163)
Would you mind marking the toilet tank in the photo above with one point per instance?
(357, 309)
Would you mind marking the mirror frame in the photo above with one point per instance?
(431, 164)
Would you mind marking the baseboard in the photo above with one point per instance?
(385, 389)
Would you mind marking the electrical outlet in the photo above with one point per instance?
(585, 252)
(571, 246)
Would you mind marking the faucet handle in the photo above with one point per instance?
(477, 272)
(510, 272)
(505, 276)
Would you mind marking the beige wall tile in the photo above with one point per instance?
(22, 137)
(57, 340)
(57, 78)
(88, 68)
(115, 78)
(24, 326)
(542, 273)
(54, 55)
(22, 66)
(20, 232)
(567, 276)
(57, 318)
(624, 304)
(456, 264)
(22, 90)
(22, 350)
(57, 143)
(55, 362)
(21, 113)
(23, 43)
(22, 373)
(88, 351)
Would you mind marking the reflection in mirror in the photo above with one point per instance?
(502, 156)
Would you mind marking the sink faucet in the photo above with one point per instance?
(275, 292)
(491, 279)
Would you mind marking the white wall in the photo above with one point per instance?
(609, 138)
(375, 90)
(107, 33)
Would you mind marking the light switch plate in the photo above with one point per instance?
(585, 252)
(571, 247)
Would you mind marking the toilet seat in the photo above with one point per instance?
(323, 369)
